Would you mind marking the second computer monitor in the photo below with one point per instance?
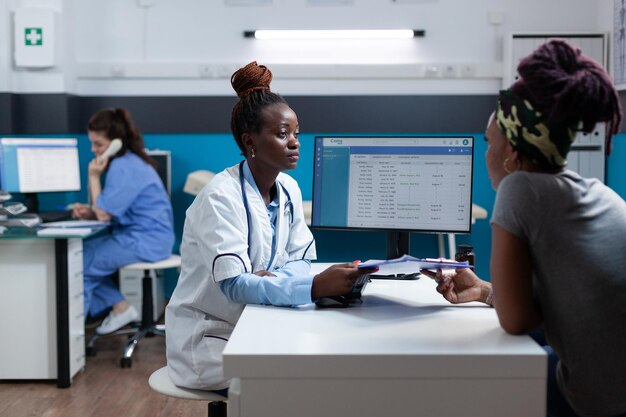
(393, 183)
(30, 165)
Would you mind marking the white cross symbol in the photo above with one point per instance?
(33, 37)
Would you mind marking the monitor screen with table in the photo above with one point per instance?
(33, 165)
(397, 184)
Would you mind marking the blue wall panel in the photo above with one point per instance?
(215, 152)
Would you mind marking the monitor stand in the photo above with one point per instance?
(31, 201)
(398, 244)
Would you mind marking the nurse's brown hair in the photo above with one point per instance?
(117, 124)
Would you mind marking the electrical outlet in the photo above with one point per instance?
(117, 70)
(448, 71)
(225, 70)
(431, 71)
(206, 71)
(468, 71)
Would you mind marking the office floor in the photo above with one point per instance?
(102, 390)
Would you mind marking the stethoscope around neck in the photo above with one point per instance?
(288, 205)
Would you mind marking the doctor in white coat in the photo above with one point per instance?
(245, 239)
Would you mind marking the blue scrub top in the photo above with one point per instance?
(142, 214)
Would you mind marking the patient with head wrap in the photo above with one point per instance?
(558, 256)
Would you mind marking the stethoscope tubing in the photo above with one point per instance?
(288, 206)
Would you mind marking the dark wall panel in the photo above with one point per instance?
(6, 113)
(167, 114)
(40, 113)
(62, 113)
(360, 114)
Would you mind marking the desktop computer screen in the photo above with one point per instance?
(398, 184)
(29, 165)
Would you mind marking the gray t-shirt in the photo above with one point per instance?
(576, 231)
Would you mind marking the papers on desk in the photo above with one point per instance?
(407, 264)
(68, 224)
(64, 231)
(70, 228)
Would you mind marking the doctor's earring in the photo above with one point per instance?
(252, 154)
(506, 165)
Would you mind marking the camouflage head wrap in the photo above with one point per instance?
(545, 145)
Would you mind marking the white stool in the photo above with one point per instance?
(160, 382)
(147, 327)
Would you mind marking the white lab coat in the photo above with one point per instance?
(199, 319)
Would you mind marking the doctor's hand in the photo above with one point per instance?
(337, 280)
(460, 286)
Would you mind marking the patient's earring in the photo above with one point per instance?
(506, 165)
(252, 154)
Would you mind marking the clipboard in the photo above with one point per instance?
(408, 264)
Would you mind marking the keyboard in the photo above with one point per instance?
(55, 216)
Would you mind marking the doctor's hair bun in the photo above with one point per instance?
(252, 84)
(251, 78)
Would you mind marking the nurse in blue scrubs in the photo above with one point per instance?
(133, 199)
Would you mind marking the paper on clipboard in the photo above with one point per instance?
(407, 264)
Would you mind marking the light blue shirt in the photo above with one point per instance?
(135, 196)
(292, 283)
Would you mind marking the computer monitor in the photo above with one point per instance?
(397, 184)
(33, 165)
(164, 166)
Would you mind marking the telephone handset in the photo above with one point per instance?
(114, 147)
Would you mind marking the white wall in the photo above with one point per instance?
(191, 47)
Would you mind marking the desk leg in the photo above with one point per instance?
(63, 320)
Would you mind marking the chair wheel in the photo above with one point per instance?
(126, 362)
(90, 351)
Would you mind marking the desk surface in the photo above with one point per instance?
(402, 329)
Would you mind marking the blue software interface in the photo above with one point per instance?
(412, 183)
(39, 165)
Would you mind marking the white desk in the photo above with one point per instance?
(405, 351)
(41, 308)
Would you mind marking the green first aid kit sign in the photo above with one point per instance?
(33, 36)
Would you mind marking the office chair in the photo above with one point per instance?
(161, 382)
(147, 327)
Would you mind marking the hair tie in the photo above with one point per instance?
(252, 90)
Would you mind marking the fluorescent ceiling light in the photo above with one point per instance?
(335, 34)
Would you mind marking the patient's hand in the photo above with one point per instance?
(460, 286)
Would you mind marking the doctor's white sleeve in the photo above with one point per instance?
(281, 290)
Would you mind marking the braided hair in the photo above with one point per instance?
(117, 123)
(252, 84)
(569, 89)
